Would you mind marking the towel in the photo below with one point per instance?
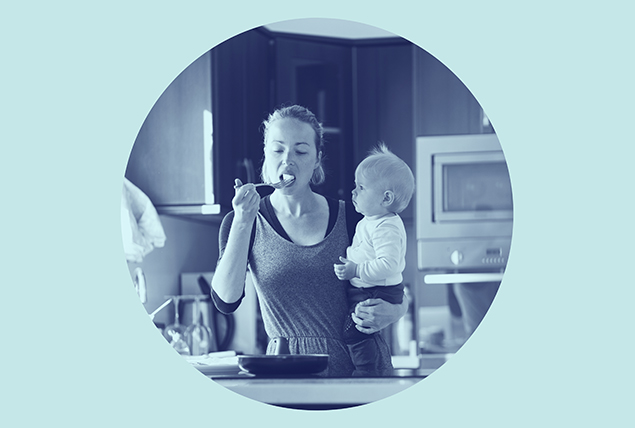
(140, 224)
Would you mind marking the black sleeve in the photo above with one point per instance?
(224, 307)
(223, 235)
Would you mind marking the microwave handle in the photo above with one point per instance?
(462, 278)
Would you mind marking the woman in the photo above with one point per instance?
(290, 241)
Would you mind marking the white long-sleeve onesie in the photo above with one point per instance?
(379, 249)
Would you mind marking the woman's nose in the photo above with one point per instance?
(287, 158)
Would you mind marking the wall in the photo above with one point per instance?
(191, 246)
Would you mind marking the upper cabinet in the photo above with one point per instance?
(243, 79)
(384, 101)
(205, 130)
(172, 160)
(317, 74)
(444, 105)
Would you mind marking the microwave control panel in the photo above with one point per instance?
(490, 253)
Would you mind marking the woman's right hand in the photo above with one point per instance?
(246, 202)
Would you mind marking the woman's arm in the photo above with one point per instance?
(229, 279)
(373, 315)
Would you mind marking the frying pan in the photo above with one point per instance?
(283, 363)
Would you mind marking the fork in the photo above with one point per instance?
(278, 185)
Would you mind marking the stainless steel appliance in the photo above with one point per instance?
(464, 217)
(464, 208)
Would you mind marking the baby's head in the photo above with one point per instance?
(390, 175)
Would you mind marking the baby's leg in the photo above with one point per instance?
(364, 355)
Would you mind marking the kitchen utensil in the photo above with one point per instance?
(222, 342)
(156, 311)
(279, 184)
(283, 363)
(281, 346)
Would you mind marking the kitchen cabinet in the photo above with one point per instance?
(203, 132)
(171, 160)
(242, 73)
(204, 129)
(317, 74)
(445, 106)
(384, 102)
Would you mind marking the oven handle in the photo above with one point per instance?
(462, 278)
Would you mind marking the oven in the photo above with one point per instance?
(464, 218)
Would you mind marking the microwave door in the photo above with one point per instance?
(471, 187)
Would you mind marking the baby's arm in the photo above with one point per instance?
(388, 243)
(347, 270)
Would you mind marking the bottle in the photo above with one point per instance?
(405, 328)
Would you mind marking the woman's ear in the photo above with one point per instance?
(319, 160)
(389, 198)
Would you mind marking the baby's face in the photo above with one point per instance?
(368, 197)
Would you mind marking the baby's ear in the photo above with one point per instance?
(389, 198)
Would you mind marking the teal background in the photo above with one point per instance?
(77, 81)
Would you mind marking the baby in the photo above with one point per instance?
(384, 185)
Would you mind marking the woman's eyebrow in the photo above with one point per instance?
(282, 142)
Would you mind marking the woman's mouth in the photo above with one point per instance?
(287, 177)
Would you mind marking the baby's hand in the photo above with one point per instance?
(346, 271)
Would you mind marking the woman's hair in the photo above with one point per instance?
(304, 115)
(389, 172)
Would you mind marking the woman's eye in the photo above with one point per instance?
(302, 153)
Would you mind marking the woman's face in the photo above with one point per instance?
(290, 151)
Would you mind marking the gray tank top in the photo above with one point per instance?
(299, 295)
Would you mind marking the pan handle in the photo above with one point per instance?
(282, 346)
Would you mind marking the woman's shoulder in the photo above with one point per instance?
(348, 212)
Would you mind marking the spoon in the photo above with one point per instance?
(279, 184)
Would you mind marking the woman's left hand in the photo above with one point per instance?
(373, 315)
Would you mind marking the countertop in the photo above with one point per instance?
(317, 392)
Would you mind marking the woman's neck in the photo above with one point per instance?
(294, 205)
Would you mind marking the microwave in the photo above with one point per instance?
(464, 204)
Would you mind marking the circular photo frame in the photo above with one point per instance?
(310, 101)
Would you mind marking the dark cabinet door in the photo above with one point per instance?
(242, 87)
(318, 75)
(445, 106)
(385, 102)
